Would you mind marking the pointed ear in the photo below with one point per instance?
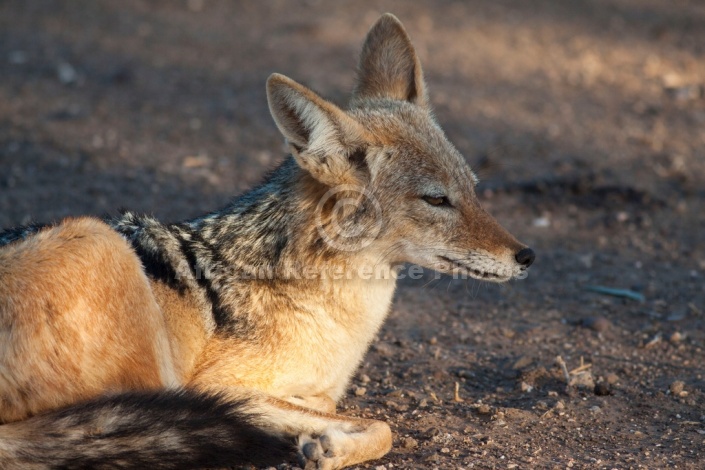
(324, 140)
(389, 67)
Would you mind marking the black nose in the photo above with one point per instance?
(525, 257)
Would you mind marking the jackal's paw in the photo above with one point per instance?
(318, 453)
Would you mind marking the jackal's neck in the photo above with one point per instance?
(268, 239)
(273, 231)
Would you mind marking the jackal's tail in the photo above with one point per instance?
(155, 430)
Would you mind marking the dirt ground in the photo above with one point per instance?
(584, 119)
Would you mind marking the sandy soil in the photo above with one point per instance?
(585, 120)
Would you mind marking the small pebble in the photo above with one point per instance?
(676, 337)
(396, 406)
(542, 222)
(360, 391)
(522, 362)
(599, 324)
(410, 443)
(612, 378)
(66, 73)
(596, 409)
(465, 374)
(484, 409)
(677, 387)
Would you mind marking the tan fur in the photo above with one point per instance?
(79, 317)
(183, 321)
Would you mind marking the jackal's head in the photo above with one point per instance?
(389, 180)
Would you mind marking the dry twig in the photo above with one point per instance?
(456, 395)
(561, 363)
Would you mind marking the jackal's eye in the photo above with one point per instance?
(440, 201)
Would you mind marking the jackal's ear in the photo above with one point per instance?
(324, 140)
(389, 67)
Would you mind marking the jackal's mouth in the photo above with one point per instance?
(474, 272)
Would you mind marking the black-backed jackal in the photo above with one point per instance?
(229, 338)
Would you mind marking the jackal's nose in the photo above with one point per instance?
(525, 257)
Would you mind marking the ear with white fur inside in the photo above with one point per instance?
(324, 140)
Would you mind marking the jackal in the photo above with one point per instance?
(229, 338)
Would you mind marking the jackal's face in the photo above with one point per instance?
(407, 194)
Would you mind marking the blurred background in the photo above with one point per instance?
(585, 121)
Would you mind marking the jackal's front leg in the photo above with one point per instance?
(343, 443)
(325, 441)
